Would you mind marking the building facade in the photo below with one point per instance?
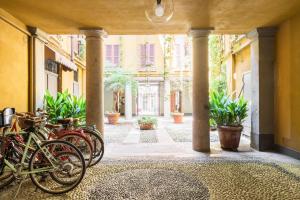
(161, 66)
(33, 62)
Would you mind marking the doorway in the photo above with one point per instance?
(148, 99)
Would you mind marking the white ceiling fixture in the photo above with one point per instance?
(159, 11)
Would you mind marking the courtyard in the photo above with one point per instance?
(168, 140)
(94, 73)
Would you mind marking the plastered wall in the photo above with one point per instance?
(14, 68)
(287, 85)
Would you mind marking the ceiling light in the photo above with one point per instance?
(159, 11)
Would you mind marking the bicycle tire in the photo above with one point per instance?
(88, 146)
(72, 186)
(6, 180)
(98, 152)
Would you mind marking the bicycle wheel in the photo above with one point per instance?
(97, 144)
(6, 176)
(83, 144)
(12, 155)
(58, 159)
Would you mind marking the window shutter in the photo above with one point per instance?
(116, 55)
(143, 55)
(109, 53)
(151, 54)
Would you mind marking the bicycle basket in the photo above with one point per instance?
(25, 123)
(6, 117)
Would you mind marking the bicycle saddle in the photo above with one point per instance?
(67, 121)
(53, 126)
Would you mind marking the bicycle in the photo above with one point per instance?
(54, 166)
(71, 125)
(47, 131)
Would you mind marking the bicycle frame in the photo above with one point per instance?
(47, 154)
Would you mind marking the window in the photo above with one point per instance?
(51, 66)
(112, 57)
(75, 84)
(147, 54)
(177, 57)
(76, 76)
(51, 76)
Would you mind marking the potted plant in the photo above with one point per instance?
(64, 105)
(112, 117)
(177, 116)
(212, 124)
(147, 123)
(116, 81)
(229, 115)
(179, 85)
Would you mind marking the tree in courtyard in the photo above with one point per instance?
(116, 81)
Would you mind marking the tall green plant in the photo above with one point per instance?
(64, 105)
(217, 67)
(227, 112)
(116, 81)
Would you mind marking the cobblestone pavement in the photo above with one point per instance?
(179, 179)
(160, 164)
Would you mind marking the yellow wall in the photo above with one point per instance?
(241, 66)
(84, 83)
(130, 59)
(13, 68)
(287, 88)
(67, 81)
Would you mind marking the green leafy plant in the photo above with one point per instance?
(116, 81)
(64, 105)
(147, 120)
(212, 123)
(227, 112)
(217, 67)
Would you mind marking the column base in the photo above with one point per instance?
(201, 139)
(262, 142)
(201, 150)
(288, 151)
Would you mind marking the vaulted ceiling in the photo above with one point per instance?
(128, 17)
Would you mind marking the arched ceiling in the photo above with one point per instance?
(128, 17)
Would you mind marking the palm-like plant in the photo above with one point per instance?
(116, 81)
(227, 112)
(64, 105)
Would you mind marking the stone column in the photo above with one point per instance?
(262, 96)
(128, 102)
(201, 140)
(167, 96)
(38, 39)
(94, 78)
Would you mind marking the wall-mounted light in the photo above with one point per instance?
(159, 11)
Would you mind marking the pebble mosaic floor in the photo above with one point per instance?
(149, 180)
(141, 165)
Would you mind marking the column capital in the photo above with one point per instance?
(262, 32)
(200, 32)
(95, 33)
(38, 33)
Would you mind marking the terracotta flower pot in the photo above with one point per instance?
(178, 117)
(146, 126)
(230, 137)
(113, 118)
